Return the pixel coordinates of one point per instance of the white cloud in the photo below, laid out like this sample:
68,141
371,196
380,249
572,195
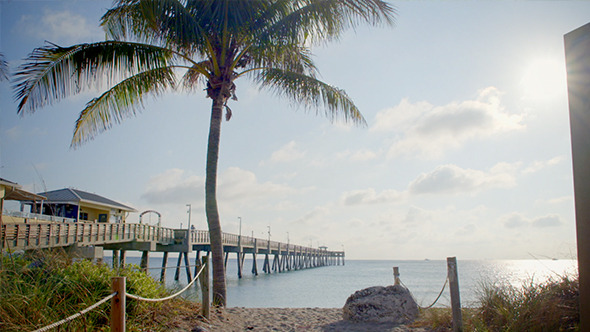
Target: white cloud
517,220
428,130
561,200
18,132
370,196
239,184
234,184
59,27
539,165
514,220
174,186
417,215
452,179
359,155
287,153
547,221
315,216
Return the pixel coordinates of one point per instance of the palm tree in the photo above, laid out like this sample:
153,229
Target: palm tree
208,43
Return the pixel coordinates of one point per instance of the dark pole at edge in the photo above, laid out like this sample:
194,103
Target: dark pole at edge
577,56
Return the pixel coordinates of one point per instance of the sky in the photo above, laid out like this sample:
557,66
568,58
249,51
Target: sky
466,151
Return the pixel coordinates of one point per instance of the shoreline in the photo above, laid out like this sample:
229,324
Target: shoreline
237,319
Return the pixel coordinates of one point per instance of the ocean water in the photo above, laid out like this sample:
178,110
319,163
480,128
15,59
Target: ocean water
330,286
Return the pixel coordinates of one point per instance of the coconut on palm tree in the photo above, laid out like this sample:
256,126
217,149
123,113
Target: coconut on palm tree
157,45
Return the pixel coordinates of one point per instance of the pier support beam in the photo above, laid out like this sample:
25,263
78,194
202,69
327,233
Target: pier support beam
187,266
164,263
145,260
177,273
115,259
122,259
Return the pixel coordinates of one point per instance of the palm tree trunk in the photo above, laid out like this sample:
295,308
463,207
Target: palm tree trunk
219,288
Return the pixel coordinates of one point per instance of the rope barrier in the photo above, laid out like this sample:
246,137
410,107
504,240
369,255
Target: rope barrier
437,298
76,315
136,297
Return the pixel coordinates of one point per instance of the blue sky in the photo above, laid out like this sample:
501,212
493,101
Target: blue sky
466,152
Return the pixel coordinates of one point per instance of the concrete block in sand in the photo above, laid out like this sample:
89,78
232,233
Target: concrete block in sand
391,304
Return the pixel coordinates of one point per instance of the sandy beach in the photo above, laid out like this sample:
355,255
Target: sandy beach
293,319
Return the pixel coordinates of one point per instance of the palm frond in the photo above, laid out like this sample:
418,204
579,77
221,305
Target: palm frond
288,57
165,22
121,101
51,73
3,68
310,92
326,20
192,76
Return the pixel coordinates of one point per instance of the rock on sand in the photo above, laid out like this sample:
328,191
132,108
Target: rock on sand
391,304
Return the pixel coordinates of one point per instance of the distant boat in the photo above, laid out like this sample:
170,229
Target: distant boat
426,259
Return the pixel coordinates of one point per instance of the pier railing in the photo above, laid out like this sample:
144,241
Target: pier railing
27,236
41,235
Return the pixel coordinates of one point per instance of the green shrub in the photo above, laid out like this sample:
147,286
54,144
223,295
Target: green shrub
43,287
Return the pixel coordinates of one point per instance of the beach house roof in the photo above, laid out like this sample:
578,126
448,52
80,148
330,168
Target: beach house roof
13,191
76,196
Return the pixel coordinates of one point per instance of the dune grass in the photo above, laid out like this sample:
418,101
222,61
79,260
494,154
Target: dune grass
40,288
549,306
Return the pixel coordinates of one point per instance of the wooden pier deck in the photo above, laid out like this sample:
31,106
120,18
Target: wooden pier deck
91,239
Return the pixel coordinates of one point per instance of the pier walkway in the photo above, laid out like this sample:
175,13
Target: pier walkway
91,239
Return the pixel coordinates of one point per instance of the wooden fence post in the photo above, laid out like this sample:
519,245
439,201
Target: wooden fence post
455,299
396,280
118,304
204,279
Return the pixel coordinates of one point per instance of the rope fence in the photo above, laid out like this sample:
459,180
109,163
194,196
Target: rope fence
453,281
139,298
119,294
76,315
435,300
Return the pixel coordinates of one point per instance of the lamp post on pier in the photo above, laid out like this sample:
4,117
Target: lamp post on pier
189,216
240,233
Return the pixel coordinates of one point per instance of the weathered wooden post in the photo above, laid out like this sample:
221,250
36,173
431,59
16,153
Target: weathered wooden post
145,260
396,280
177,273
115,259
122,259
577,55
204,279
118,284
164,263
455,299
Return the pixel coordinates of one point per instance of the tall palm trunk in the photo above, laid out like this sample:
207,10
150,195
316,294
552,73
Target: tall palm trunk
219,289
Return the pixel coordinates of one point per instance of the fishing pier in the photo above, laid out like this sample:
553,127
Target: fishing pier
90,239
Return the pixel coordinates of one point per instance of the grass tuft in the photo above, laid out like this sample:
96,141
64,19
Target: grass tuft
43,287
549,306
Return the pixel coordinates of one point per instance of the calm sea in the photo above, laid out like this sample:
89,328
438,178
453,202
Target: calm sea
330,286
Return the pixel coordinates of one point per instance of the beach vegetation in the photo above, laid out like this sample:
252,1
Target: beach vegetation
549,306
43,287
154,46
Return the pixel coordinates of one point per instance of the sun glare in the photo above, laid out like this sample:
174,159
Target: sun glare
543,79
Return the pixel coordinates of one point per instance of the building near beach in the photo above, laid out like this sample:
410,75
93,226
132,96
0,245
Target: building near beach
12,191
77,205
